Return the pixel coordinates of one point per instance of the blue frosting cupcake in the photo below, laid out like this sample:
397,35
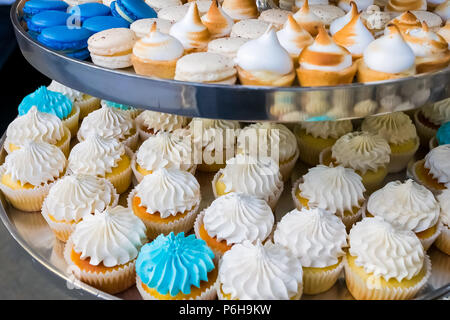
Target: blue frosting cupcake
47,101
97,24
88,10
443,134
46,19
132,10
173,266
117,105
33,7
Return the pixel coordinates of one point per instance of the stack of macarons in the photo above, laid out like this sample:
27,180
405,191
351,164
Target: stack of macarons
34,7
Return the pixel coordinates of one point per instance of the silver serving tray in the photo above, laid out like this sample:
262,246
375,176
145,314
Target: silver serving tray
32,232
237,102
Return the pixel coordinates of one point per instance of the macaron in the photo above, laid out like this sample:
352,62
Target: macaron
97,24
226,46
88,10
46,19
69,41
33,7
132,10
142,27
112,48
173,14
249,28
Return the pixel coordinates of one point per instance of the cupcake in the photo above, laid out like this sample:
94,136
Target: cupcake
37,126
338,190
255,176
324,63
339,23
83,101
442,136
28,173
368,154
273,140
163,150
315,136
386,58
443,241
232,219
307,20
429,118
399,131
149,123
407,205
166,200
74,197
260,272
240,9
110,122
172,257
274,68
156,54
217,141
129,110
55,103
218,22
384,262
104,158
434,171
317,238
102,250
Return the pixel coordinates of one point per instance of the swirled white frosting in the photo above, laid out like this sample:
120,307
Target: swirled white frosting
165,150
361,151
395,127
107,122
70,93
73,197
408,205
112,237
327,129
386,251
438,113
236,217
437,161
35,163
260,272
169,192
159,121
444,202
36,126
95,156
207,131
335,189
340,22
315,236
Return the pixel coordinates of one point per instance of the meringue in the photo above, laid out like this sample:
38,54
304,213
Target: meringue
339,23
293,38
445,33
406,21
307,20
361,4
240,9
217,21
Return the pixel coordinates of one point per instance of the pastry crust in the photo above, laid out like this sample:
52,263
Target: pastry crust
309,78
365,74
247,78
154,68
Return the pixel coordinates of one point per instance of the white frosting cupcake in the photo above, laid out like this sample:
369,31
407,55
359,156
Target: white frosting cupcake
151,122
396,127
72,94
444,202
437,162
327,129
438,113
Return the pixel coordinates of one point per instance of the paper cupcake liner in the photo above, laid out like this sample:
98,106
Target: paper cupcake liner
318,282
443,241
132,141
62,230
154,229
198,222
413,173
427,242
360,290
72,121
143,135
112,282
272,200
433,143
87,106
122,180
309,154
399,161
221,296
425,133
286,168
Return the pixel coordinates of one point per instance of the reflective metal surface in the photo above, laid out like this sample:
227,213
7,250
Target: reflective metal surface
245,103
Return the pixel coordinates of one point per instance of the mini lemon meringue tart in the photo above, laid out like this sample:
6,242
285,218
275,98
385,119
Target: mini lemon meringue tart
255,176
405,5
191,32
384,262
157,54
232,219
367,153
308,20
324,63
339,23
163,150
102,157
218,22
429,118
102,250
260,272
388,57
315,136
240,9
303,232
338,190
399,131
434,171
28,173
407,205
445,32
443,241
274,68
166,200
406,21
37,126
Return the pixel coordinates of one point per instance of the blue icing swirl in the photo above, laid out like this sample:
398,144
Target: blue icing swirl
47,101
117,105
320,118
443,134
174,263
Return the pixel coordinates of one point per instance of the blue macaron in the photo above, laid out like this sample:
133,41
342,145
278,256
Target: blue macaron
97,24
88,10
46,19
33,7
67,40
132,10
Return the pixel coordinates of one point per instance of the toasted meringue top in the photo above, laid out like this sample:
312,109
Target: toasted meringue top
426,43
362,4
404,5
339,23
445,33
406,21
240,9
308,20
190,30
443,10
324,54
293,38
217,21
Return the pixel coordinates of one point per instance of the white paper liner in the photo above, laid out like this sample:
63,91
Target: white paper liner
286,168
87,105
315,282
443,241
427,242
413,173
122,181
308,154
198,222
399,161
71,122
361,291
112,282
298,296
154,229
273,198
132,141
433,143
425,133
